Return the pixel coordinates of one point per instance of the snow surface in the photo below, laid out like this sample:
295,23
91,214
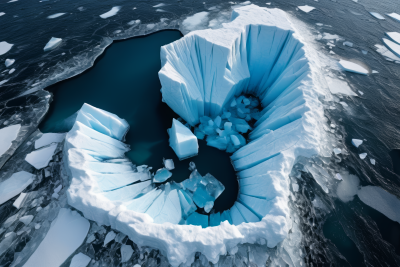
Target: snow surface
7,135
48,138
5,47
353,67
395,36
41,158
53,43
200,74
15,185
394,16
113,11
66,234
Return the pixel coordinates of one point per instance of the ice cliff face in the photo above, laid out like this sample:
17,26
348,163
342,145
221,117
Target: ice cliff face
257,53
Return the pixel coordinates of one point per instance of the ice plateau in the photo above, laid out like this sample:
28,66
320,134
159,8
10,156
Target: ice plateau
258,53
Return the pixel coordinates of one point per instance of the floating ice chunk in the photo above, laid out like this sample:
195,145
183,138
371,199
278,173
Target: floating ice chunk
353,67
347,43
48,138
306,8
394,16
80,260
338,177
26,219
198,219
58,189
70,228
41,158
356,142
208,206
159,5
328,36
337,86
2,13
126,253
381,49
295,187
348,188
5,47
109,237
3,82
19,201
55,195
377,15
337,151
55,15
14,185
395,36
395,48
9,62
7,136
113,11
372,161
382,201
52,44
169,164
375,71
11,71
363,155
196,21
162,175
182,140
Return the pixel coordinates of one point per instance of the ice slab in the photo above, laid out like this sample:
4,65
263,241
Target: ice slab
9,62
377,15
198,219
348,187
196,21
395,36
55,15
394,47
27,219
352,67
306,8
109,237
113,11
126,253
52,44
182,140
40,158
356,142
362,155
5,47
381,49
2,13
394,16
162,175
337,86
80,260
19,201
15,185
7,135
48,138
171,212
70,228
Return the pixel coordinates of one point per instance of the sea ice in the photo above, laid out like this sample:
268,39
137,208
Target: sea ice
162,175
182,140
394,16
395,36
70,228
377,15
55,15
15,185
19,201
113,11
159,5
11,71
7,136
52,44
353,67
381,49
109,237
126,253
356,142
40,158
363,155
198,219
2,13
337,151
306,8
394,47
381,200
48,138
5,47
372,161
337,86
348,187
80,260
196,21
347,43
9,62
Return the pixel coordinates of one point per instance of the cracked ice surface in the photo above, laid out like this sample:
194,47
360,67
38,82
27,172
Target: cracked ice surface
258,53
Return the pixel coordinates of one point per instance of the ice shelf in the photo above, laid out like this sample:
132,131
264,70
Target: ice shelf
204,75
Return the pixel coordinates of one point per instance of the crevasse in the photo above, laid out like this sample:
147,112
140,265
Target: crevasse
257,53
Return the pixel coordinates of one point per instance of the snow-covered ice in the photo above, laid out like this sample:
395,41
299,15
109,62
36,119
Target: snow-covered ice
394,16
9,62
113,11
55,15
52,44
15,185
109,237
7,136
306,8
66,234
356,142
352,67
80,260
182,140
348,187
5,47
48,138
395,36
126,253
337,86
363,155
40,158
377,15
394,47
195,21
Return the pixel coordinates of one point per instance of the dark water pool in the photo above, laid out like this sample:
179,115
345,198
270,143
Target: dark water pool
124,81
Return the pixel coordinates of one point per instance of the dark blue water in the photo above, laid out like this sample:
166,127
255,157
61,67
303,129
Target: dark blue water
124,81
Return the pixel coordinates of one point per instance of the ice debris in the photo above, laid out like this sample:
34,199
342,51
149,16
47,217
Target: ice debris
377,15
26,219
2,13
7,135
353,67
347,43
113,11
356,142
169,164
52,44
109,237
195,22
19,201
394,16
182,140
5,47
55,15
15,185
162,175
49,138
9,62
394,47
80,260
306,8
40,158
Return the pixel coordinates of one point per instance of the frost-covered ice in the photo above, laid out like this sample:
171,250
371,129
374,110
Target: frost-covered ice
394,16
182,140
5,47
113,11
14,185
395,36
356,142
9,62
19,201
394,47
381,200
195,21
80,260
48,138
337,86
52,44
7,136
55,15
162,175
377,15
352,67
306,8
66,234
40,158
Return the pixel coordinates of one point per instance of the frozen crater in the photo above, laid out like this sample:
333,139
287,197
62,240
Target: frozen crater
206,77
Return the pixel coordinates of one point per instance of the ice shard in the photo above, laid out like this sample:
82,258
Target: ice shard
182,140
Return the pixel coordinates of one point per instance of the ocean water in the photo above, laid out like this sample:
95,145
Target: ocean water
345,234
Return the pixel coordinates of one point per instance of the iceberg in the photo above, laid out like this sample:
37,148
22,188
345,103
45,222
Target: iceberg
352,67
8,135
182,140
306,8
356,142
80,260
14,185
52,44
5,47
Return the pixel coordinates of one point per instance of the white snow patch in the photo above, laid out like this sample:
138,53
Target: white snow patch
372,161
159,5
53,43
356,142
41,158
347,188
5,47
48,138
306,8
55,15
113,11
353,67
7,136
14,185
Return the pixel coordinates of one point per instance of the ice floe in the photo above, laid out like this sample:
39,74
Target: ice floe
126,253
80,260
356,142
5,47
53,43
394,47
113,11
55,15
169,164
352,67
14,185
7,136
40,158
395,36
66,234
182,140
362,155
2,13
9,62
48,138
386,53
394,16
195,21
348,187
377,15
337,86
306,8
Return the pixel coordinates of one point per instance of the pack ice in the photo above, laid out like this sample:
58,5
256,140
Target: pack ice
258,53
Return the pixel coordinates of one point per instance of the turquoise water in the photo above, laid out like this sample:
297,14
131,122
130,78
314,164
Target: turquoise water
124,81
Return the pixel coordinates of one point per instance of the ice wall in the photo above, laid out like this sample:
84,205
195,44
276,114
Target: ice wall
257,53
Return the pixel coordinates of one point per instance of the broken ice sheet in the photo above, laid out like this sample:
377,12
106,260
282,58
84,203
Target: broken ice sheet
353,67
110,13
48,138
337,86
5,47
377,15
356,142
80,260
7,135
53,43
41,158
162,175
15,185
394,47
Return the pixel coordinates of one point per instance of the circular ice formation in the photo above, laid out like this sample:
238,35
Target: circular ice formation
257,53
